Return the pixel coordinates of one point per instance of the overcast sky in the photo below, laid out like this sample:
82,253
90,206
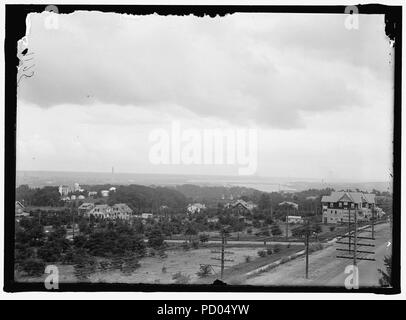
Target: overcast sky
320,95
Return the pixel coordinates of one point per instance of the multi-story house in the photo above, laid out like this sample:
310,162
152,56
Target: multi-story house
342,206
241,207
117,211
121,211
85,208
64,190
195,208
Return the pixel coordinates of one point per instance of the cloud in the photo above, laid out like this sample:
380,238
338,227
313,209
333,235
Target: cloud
265,69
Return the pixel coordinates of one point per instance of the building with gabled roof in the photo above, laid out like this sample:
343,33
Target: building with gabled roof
241,207
341,206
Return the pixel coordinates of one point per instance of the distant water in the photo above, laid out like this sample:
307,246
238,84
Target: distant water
55,178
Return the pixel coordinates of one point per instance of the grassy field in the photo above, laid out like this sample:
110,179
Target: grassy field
161,270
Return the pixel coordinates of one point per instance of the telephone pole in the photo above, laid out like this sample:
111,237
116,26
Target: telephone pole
307,249
223,253
353,237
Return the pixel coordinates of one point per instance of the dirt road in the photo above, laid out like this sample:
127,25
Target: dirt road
327,270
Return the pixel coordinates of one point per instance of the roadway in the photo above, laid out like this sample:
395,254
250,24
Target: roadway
325,269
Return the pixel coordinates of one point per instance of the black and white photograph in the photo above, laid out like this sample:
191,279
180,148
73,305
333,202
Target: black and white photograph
253,148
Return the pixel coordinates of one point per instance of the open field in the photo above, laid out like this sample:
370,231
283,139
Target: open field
161,270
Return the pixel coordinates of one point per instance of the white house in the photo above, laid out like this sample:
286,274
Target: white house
64,190
117,211
195,208
146,215
295,219
104,193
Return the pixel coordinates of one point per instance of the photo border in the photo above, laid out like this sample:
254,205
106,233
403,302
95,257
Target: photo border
15,24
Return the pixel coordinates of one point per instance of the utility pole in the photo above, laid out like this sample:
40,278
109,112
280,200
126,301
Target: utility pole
349,229
373,222
307,249
222,252
353,252
286,224
355,237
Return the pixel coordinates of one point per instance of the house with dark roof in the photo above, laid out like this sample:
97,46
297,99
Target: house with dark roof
117,211
241,207
343,206
20,210
85,208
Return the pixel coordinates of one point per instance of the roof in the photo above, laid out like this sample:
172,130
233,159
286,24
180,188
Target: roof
85,205
122,207
19,204
245,204
290,204
356,197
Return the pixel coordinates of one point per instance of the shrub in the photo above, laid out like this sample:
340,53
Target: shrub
277,248
162,254
33,267
247,259
262,253
269,250
204,238
181,278
332,228
195,244
129,264
284,260
249,230
204,271
315,247
186,246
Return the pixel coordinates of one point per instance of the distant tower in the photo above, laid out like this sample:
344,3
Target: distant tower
112,174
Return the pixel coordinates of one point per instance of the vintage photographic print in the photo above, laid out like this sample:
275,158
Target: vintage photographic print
242,148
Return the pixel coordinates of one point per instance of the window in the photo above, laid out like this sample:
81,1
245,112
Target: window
340,204
331,204
345,203
352,205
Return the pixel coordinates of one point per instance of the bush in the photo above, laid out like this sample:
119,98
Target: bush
247,259
249,230
315,247
277,248
205,271
284,260
269,251
181,278
162,254
332,228
276,230
186,246
195,244
204,238
130,264
262,253
156,238
33,267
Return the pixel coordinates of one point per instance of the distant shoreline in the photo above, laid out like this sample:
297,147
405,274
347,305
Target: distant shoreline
56,178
